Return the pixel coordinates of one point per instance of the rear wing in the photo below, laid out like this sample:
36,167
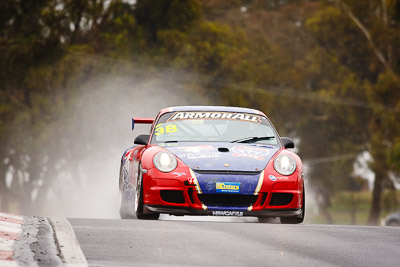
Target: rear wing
141,121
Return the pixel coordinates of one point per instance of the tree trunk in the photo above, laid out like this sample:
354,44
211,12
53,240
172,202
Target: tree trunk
353,211
324,202
375,210
379,167
4,203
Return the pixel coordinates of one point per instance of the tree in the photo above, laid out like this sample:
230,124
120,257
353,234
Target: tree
367,36
158,15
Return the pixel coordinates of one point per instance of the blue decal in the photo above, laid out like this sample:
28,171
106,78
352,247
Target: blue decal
272,178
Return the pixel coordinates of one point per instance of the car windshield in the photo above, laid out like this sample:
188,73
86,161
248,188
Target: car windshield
212,126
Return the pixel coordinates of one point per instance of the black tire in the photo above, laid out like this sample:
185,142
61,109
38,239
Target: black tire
300,219
127,197
127,210
291,220
139,209
266,219
393,223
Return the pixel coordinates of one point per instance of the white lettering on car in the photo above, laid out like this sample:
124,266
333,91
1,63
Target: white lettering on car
227,213
215,115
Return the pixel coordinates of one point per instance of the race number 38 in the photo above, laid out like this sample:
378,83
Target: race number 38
167,129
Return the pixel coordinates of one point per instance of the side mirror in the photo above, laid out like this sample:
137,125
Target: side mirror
287,142
142,139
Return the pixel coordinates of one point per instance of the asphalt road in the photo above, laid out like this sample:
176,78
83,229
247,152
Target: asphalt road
237,243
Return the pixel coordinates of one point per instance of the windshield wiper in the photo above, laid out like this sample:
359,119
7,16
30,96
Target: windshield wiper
171,141
253,139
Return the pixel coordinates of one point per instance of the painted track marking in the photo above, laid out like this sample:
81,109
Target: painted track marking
8,235
12,216
10,229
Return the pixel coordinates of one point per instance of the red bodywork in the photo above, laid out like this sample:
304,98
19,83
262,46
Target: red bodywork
154,181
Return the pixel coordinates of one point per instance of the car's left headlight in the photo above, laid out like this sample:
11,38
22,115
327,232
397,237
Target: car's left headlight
285,164
165,161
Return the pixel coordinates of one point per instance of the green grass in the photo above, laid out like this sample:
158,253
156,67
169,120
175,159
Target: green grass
360,202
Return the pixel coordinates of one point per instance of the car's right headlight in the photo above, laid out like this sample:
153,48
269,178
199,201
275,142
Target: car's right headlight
165,161
285,164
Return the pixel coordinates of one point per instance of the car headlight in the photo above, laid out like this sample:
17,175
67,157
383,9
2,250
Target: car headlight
285,165
165,161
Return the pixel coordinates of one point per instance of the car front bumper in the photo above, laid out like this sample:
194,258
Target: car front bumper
175,196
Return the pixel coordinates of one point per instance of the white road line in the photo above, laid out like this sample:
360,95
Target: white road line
8,263
11,216
71,252
10,227
6,244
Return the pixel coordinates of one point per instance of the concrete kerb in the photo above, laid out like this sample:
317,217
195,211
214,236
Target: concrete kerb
70,251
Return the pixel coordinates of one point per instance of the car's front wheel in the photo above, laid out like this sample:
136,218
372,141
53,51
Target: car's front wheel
139,209
266,220
300,219
127,198
393,223
126,194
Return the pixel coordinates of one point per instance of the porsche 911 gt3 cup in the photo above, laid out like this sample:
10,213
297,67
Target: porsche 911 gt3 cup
211,160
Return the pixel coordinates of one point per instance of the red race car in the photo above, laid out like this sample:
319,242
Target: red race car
211,160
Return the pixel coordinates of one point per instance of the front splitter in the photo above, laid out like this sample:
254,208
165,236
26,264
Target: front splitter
222,212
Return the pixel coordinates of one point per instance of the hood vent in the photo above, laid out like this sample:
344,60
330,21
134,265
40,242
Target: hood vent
223,149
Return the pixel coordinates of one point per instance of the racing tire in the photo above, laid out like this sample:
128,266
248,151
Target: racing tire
126,210
127,198
266,219
393,223
139,208
296,220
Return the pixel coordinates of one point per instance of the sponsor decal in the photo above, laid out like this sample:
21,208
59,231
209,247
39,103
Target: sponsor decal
168,144
227,187
179,174
198,152
191,180
215,115
257,153
282,178
210,185
272,178
227,213
195,149
201,155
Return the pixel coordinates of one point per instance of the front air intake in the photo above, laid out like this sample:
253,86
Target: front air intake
172,196
228,200
281,199
264,197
